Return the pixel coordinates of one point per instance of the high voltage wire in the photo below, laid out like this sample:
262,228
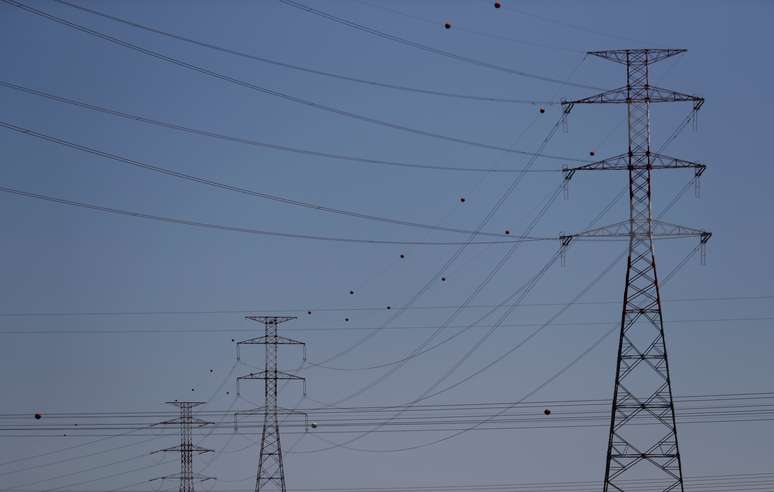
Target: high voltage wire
245,230
707,482
428,393
256,143
511,350
429,49
458,27
291,66
426,346
16,3
363,308
124,331
421,348
271,92
457,432
350,425
568,25
245,191
445,266
731,482
689,399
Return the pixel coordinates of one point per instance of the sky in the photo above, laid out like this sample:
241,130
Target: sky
112,313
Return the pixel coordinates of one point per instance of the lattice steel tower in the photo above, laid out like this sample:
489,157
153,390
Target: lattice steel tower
271,470
643,433
187,449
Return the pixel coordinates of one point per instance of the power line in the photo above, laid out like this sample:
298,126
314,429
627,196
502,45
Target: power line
244,230
456,433
154,415
244,191
291,66
257,143
568,25
271,92
426,48
726,482
423,348
426,346
366,308
446,265
458,27
125,331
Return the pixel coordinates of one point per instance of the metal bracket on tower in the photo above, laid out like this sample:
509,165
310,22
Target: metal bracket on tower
564,243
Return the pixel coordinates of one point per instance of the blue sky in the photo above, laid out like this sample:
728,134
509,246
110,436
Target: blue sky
59,259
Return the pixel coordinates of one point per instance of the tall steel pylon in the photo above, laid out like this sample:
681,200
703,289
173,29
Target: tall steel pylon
643,431
271,469
187,449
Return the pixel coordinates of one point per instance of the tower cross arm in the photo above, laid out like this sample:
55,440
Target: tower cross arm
177,476
272,375
193,421
264,411
658,230
279,340
192,448
634,94
624,162
646,55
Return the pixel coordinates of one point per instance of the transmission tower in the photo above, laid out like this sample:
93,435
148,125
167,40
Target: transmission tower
187,449
643,432
271,470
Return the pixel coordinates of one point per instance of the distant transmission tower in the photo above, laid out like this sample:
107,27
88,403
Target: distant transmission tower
187,449
271,470
643,432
